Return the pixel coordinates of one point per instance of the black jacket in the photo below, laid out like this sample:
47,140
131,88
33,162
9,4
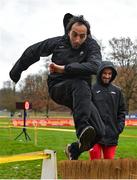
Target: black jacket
79,63
110,104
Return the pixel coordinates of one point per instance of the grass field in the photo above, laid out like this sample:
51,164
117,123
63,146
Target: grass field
48,139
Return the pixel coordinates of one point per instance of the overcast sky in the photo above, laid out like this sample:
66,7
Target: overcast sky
25,22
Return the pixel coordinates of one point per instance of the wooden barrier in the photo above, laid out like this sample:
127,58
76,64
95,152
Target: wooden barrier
98,169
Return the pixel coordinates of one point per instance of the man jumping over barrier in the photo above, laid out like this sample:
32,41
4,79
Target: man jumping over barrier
75,57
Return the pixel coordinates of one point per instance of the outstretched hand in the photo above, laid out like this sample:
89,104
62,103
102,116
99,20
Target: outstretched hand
56,68
15,76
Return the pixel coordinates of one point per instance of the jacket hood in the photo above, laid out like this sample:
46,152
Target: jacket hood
106,64
66,20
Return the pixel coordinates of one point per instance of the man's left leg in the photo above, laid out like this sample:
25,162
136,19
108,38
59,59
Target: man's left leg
109,152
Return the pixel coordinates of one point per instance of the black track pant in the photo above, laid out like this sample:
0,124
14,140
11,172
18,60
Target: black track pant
76,94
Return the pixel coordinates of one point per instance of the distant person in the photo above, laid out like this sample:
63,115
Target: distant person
20,114
109,101
11,114
75,57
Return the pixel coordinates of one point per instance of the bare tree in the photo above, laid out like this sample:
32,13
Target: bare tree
124,55
34,89
8,97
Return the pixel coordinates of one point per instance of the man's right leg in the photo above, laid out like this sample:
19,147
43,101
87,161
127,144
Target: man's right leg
76,94
72,151
95,152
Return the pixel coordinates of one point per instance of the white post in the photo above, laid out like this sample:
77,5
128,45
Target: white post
49,166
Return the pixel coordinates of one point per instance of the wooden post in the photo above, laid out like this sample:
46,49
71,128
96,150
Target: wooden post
49,166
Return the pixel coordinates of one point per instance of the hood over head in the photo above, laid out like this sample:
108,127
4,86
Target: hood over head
66,20
106,64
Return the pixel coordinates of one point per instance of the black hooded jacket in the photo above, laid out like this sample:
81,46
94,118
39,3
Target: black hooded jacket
79,63
110,103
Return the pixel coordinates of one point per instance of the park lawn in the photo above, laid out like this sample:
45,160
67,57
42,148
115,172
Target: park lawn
47,139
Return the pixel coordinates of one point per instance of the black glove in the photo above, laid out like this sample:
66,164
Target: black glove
14,75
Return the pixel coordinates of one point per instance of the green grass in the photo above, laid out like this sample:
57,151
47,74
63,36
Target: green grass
54,140
128,143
